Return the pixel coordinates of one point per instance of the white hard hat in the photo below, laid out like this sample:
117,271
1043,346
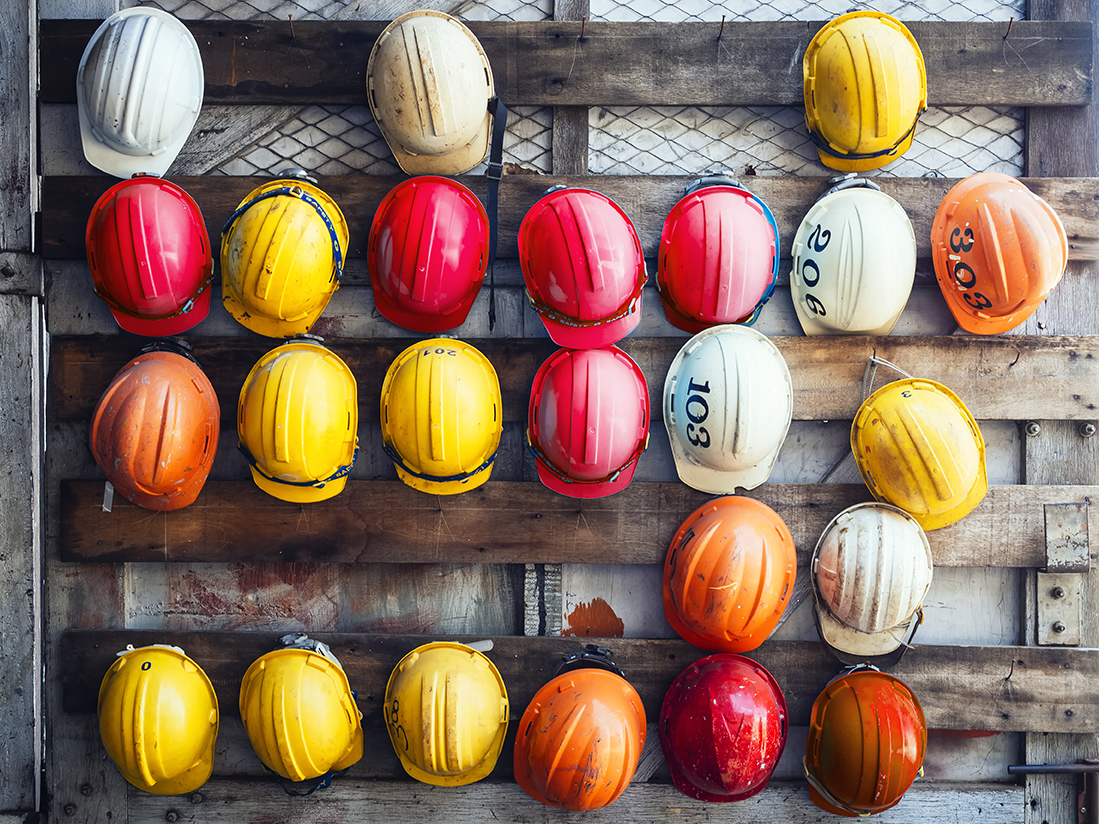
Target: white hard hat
728,402
854,262
871,571
139,90
429,82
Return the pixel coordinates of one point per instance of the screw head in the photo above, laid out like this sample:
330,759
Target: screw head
196,798
1033,428
1059,626
1087,429
171,815
1057,592
86,790
70,809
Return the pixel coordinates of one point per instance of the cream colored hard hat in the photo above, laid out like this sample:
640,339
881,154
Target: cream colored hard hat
428,82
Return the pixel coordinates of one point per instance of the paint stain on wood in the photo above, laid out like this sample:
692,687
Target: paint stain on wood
595,619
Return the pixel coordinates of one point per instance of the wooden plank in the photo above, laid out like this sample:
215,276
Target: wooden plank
18,158
406,802
21,384
386,521
647,199
1049,377
21,274
545,63
980,687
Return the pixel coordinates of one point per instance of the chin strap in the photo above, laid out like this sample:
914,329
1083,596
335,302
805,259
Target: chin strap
494,173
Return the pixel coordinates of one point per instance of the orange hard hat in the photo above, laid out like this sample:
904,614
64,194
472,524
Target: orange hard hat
867,737
729,574
998,250
155,430
579,741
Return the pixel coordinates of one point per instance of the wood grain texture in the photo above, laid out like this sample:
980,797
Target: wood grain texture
21,274
647,199
638,64
386,521
1003,378
985,688
18,137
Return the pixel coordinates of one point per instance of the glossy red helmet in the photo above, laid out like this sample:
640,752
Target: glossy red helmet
150,256
718,258
723,728
583,266
867,738
588,421
428,253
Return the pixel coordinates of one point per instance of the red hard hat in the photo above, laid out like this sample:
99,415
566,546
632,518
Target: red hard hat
428,253
718,258
588,421
155,430
723,728
583,266
867,737
150,256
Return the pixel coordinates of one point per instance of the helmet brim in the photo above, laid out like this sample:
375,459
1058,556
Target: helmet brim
269,327
299,494
593,337
444,487
554,482
866,164
166,327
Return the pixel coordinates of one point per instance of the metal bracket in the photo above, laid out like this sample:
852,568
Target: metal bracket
1060,587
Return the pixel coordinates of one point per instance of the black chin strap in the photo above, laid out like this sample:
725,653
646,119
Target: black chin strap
494,173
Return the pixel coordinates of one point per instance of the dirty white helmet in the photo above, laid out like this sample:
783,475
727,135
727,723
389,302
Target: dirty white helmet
429,82
871,570
728,401
854,262
138,91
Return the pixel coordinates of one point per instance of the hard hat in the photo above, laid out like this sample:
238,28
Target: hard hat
998,251
854,262
867,737
158,718
155,430
428,253
442,416
919,448
446,709
718,257
297,419
871,570
728,402
579,741
865,89
583,267
139,90
729,574
723,728
429,83
588,421
282,254
299,712
150,258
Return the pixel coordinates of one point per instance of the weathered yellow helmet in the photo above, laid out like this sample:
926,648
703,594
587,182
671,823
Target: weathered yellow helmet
441,416
429,82
299,712
865,88
919,448
282,254
446,709
297,419
158,718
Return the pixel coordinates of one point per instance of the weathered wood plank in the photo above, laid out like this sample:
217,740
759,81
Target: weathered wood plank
647,199
546,63
386,521
406,802
986,688
18,158
1045,377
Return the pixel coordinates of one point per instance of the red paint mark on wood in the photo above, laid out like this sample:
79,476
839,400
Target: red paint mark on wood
596,619
937,733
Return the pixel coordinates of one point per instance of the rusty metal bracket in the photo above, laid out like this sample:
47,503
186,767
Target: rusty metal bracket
1060,587
1086,771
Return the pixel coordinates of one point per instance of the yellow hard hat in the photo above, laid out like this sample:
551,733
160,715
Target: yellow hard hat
919,448
158,718
299,713
282,254
446,709
429,83
297,420
441,416
865,89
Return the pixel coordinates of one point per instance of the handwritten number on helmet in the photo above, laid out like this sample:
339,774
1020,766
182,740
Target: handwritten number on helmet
970,280
961,245
977,300
697,411
819,239
818,242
